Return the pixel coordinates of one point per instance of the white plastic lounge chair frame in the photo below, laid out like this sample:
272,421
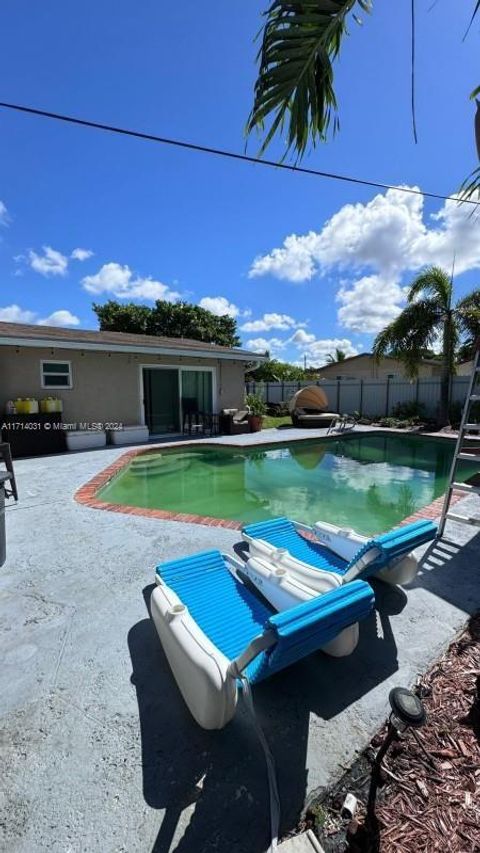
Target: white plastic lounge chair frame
206,677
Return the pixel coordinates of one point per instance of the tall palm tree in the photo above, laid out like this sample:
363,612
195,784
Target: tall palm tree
429,316
300,42
338,355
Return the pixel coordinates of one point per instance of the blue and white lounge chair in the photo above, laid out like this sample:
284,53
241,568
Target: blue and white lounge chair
331,557
214,630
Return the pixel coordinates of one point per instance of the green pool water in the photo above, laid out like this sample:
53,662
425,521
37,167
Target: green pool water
369,482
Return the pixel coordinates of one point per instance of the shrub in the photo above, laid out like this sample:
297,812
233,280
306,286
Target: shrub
256,404
406,411
278,410
398,423
455,414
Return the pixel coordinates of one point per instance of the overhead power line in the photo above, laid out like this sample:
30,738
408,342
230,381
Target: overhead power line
221,152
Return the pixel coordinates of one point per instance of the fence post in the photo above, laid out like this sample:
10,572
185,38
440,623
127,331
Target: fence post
338,396
417,391
361,398
387,400
266,392
283,391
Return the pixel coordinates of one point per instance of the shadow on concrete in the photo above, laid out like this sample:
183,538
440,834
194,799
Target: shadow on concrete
452,572
228,811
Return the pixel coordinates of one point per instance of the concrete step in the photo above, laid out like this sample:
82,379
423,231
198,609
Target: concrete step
307,842
466,487
464,519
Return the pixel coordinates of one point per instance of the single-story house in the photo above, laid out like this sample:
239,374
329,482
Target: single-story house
366,366
115,377
465,368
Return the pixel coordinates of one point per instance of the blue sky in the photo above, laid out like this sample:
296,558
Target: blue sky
164,222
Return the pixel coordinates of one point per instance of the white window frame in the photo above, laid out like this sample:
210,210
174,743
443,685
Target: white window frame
56,361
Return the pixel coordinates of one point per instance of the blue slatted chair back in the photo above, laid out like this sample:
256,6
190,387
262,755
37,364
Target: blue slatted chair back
396,543
307,627
281,533
232,616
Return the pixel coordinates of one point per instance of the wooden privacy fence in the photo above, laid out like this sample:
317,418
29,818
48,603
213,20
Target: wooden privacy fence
369,397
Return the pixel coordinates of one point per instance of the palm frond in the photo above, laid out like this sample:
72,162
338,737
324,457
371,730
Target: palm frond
467,313
470,186
410,334
299,44
434,282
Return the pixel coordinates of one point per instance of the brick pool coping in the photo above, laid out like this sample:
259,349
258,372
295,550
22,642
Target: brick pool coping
87,494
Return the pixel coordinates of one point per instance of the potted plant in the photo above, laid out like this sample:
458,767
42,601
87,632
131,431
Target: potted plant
256,411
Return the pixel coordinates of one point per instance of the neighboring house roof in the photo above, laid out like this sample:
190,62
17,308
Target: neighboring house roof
22,334
371,355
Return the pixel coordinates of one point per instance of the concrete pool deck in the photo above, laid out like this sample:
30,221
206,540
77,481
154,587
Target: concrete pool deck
98,750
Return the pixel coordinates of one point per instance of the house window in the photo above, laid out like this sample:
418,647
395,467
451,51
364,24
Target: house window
56,374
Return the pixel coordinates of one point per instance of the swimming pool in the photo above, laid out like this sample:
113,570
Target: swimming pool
367,481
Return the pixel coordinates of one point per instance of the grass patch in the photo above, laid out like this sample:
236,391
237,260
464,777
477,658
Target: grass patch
274,423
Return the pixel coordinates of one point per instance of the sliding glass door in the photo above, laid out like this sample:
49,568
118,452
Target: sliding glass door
170,395
161,400
197,387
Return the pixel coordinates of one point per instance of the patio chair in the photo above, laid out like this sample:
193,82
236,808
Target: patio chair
215,631
234,421
308,408
314,554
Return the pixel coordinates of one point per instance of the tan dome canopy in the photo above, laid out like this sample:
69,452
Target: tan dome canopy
311,397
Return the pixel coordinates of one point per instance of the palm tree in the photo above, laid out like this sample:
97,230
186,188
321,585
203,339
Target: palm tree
429,316
339,355
300,42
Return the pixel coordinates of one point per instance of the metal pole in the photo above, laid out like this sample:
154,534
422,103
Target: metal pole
387,400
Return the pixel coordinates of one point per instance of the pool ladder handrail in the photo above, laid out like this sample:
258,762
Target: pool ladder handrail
460,454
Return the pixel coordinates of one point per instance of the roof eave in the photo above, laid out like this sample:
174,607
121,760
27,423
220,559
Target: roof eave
52,343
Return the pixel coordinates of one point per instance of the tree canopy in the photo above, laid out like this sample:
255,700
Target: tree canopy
338,355
168,319
429,317
273,370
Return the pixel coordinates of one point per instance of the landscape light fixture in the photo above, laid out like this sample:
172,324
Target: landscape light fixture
407,712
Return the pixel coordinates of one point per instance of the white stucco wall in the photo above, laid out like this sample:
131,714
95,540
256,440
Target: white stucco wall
106,386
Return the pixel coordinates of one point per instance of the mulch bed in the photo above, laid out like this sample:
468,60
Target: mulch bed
430,800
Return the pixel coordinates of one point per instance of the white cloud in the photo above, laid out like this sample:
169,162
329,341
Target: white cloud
382,241
301,338
15,314
305,343
4,218
220,306
81,254
121,282
51,262
61,317
293,262
273,345
317,349
372,303
271,321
